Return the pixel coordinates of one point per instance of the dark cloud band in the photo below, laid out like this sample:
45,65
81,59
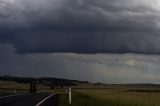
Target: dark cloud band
80,26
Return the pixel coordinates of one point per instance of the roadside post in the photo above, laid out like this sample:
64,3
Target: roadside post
70,95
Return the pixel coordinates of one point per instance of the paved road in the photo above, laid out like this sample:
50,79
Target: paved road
42,99
5,94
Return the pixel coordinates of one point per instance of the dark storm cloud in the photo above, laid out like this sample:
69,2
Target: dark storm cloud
81,26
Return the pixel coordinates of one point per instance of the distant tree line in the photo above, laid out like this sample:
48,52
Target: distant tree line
17,79
48,81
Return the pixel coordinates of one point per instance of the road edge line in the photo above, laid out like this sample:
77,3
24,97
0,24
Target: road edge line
10,96
44,100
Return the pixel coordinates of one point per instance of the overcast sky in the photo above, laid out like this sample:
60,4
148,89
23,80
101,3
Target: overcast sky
111,41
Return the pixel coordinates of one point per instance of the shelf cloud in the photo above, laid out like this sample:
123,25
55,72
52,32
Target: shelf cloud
81,26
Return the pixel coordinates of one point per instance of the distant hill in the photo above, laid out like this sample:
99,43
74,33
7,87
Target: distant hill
60,82
43,80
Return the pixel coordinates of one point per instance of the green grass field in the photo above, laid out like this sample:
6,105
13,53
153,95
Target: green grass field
104,97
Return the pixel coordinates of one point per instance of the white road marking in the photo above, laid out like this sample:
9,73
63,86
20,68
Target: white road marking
10,96
44,100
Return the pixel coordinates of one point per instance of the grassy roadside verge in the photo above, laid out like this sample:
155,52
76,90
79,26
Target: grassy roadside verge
97,98
86,100
79,99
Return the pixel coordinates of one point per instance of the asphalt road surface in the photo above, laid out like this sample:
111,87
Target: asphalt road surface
5,94
39,99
